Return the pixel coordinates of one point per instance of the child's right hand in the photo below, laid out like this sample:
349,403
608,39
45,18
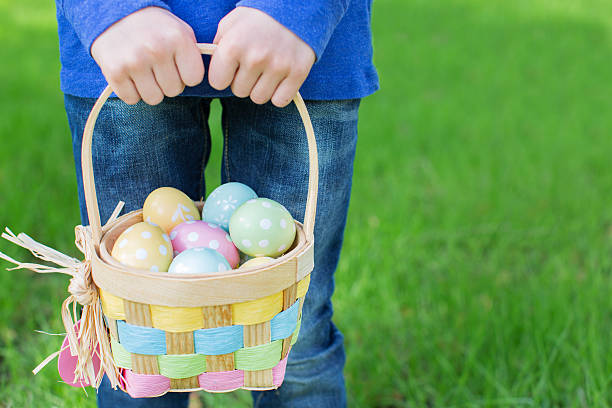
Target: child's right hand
148,54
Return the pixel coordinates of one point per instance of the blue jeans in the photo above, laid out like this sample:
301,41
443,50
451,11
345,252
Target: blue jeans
139,148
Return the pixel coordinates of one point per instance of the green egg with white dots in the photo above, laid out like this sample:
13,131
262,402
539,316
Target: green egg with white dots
262,227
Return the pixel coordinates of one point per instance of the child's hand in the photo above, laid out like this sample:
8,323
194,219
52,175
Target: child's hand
148,54
259,57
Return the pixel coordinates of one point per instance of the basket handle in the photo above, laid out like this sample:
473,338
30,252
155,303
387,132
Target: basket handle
89,185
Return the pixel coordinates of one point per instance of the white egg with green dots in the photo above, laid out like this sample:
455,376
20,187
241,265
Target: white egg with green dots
262,227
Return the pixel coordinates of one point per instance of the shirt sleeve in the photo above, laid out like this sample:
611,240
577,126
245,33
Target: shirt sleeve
90,18
313,21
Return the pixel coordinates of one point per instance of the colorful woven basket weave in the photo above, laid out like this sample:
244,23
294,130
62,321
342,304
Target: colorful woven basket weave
194,348
163,332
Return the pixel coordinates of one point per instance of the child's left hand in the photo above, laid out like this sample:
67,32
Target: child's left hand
259,57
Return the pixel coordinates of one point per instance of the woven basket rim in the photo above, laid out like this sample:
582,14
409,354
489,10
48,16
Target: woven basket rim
162,288
123,222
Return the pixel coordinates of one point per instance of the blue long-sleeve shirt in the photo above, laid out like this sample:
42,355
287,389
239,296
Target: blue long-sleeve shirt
337,30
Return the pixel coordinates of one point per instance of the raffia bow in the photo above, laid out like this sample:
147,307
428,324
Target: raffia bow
91,336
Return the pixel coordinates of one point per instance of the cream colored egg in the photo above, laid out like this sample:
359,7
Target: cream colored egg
255,262
144,246
169,207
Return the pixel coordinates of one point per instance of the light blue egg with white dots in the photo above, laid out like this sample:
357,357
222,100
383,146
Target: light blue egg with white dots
199,260
224,200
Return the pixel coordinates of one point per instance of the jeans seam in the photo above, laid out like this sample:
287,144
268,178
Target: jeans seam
225,126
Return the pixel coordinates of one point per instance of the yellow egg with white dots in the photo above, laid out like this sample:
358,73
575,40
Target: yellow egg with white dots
144,246
169,207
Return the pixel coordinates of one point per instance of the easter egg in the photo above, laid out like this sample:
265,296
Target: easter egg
192,234
224,200
199,260
168,207
262,227
143,246
255,262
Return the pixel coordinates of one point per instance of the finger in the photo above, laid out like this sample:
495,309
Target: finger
223,26
286,91
222,68
266,86
125,90
244,81
168,78
219,33
189,63
148,88
189,31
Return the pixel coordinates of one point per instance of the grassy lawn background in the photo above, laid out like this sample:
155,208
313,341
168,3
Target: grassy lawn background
476,270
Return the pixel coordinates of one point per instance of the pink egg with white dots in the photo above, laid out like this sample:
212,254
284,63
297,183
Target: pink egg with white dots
202,234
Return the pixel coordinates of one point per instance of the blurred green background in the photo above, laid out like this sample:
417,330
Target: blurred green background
476,270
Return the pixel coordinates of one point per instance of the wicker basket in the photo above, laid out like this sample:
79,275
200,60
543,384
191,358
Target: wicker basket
217,332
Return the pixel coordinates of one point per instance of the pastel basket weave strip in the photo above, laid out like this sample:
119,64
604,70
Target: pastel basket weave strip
185,319
145,385
260,357
216,341
254,358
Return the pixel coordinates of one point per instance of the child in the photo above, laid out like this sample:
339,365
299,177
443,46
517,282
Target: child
267,50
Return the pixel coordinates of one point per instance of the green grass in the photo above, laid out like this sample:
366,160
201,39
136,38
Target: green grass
476,270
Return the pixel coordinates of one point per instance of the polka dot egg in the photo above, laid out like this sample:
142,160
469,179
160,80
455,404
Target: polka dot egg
192,234
199,261
143,246
224,200
168,207
262,227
